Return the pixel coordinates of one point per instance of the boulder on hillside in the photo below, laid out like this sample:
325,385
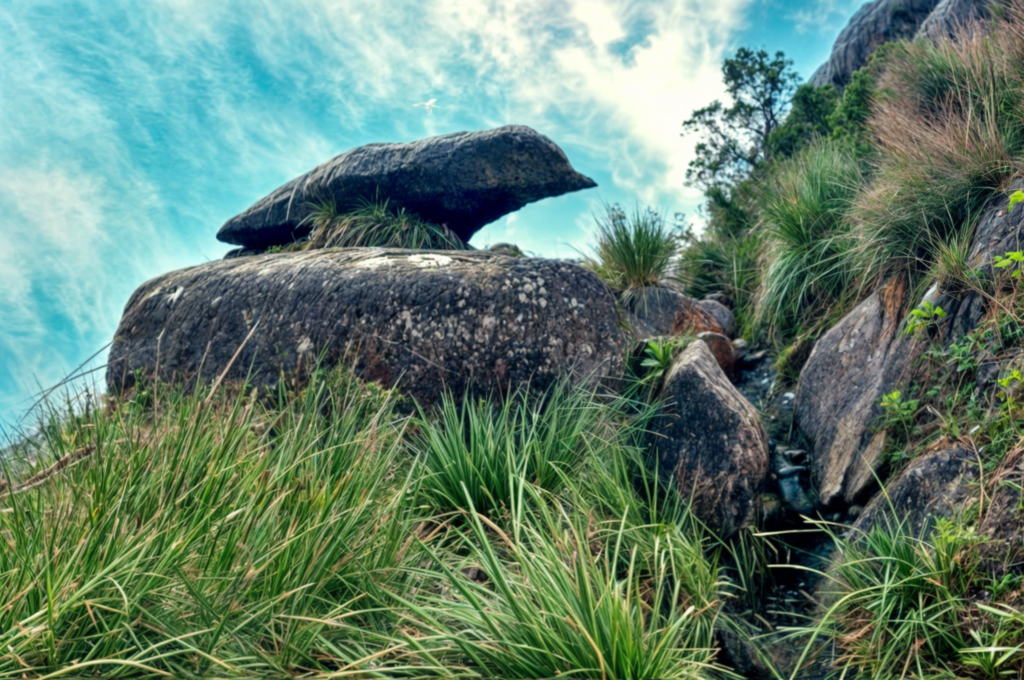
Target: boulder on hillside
659,311
710,440
867,355
933,486
463,180
874,23
420,320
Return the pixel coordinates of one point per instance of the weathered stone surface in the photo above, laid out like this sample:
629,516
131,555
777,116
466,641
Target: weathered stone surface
1003,522
949,15
874,23
722,314
419,320
464,180
710,440
722,349
867,355
932,486
658,311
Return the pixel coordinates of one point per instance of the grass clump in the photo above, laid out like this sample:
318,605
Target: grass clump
809,252
920,606
206,537
477,450
634,250
563,598
949,130
376,224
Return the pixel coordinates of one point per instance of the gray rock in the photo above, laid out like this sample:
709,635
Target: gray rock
464,180
1003,522
419,320
949,15
723,315
867,355
932,486
710,440
874,23
659,311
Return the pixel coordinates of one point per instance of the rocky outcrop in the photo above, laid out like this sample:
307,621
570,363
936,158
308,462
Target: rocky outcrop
658,311
935,485
867,355
463,180
949,15
419,320
874,23
723,351
1003,522
710,441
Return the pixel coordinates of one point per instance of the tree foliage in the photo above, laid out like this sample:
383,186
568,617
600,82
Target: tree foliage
734,137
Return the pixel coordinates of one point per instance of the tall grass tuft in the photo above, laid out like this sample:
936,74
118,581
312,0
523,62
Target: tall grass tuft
376,224
809,255
557,601
634,250
919,606
479,451
192,537
949,128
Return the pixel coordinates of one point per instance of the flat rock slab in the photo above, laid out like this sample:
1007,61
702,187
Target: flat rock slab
710,439
463,180
423,321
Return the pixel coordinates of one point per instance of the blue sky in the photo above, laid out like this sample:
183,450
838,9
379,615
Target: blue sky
130,131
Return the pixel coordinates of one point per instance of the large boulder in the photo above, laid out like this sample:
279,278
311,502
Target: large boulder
933,486
463,180
867,355
710,440
419,320
873,24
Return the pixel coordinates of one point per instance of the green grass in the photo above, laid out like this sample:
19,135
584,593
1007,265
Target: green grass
322,533
634,250
375,224
809,252
919,606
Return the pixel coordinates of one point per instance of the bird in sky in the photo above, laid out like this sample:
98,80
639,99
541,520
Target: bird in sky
429,105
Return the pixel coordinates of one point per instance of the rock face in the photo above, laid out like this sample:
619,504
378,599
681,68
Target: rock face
1003,522
722,314
948,15
867,355
932,486
711,441
419,320
874,23
464,180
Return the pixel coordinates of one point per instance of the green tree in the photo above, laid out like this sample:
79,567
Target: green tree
734,138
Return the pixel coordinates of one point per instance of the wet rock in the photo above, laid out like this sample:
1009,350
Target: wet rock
711,441
722,350
932,486
419,320
873,24
463,180
722,314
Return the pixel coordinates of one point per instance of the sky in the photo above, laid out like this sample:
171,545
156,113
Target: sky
130,131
